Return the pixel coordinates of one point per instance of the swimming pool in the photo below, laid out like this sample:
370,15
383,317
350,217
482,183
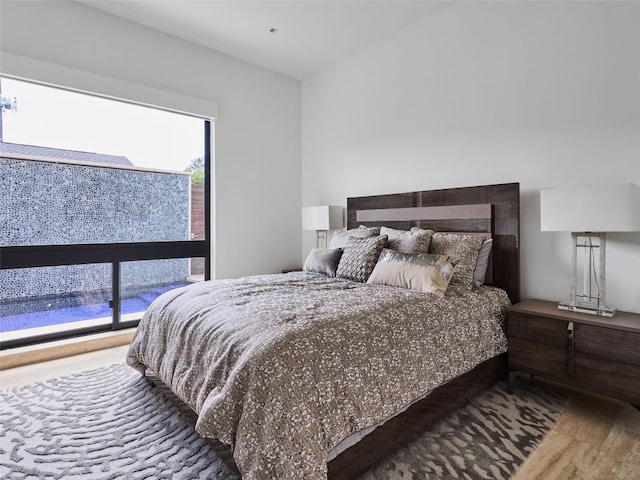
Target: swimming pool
60,316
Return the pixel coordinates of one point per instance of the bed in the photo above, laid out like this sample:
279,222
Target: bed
304,375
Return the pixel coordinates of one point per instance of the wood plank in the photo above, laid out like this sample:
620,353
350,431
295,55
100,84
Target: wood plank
608,343
627,321
607,376
533,357
571,449
410,214
42,352
73,363
619,457
537,329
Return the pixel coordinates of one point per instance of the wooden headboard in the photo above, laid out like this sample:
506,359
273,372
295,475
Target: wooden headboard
488,209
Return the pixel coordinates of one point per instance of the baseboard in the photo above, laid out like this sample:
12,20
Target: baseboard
17,357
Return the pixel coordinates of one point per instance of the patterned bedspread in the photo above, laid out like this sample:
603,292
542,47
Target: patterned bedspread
284,367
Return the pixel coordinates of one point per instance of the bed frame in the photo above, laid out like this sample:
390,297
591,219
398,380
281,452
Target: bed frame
489,210
484,210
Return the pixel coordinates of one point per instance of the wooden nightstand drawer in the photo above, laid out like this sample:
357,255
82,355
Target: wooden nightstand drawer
546,331
615,377
537,358
602,354
608,343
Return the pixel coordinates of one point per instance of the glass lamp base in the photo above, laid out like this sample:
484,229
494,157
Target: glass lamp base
602,311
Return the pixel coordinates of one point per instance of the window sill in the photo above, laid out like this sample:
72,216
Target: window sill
20,356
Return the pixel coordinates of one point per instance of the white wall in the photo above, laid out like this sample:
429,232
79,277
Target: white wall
257,135
543,93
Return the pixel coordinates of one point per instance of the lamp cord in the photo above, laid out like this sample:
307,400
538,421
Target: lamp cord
593,268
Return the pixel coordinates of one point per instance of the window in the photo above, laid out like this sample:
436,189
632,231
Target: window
103,206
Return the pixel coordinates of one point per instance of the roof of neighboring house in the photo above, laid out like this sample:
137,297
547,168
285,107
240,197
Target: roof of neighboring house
59,153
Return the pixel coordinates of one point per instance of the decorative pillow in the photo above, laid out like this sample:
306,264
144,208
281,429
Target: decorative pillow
360,257
480,273
323,261
415,240
424,272
463,248
340,237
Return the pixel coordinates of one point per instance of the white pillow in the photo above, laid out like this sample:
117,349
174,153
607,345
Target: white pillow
423,272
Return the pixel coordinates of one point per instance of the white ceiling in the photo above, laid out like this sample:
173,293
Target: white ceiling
311,35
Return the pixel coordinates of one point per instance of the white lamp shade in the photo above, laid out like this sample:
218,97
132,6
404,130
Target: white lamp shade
326,217
596,208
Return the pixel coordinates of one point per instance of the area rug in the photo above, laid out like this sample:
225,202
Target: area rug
109,423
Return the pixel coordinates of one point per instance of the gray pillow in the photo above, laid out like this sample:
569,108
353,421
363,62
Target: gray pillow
416,240
464,249
360,257
340,237
323,261
480,273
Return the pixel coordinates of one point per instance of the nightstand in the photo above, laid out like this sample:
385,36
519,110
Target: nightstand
596,353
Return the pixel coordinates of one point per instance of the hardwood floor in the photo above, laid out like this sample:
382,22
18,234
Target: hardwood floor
596,438
23,375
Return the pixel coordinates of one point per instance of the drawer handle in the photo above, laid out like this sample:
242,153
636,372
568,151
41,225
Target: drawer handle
570,349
